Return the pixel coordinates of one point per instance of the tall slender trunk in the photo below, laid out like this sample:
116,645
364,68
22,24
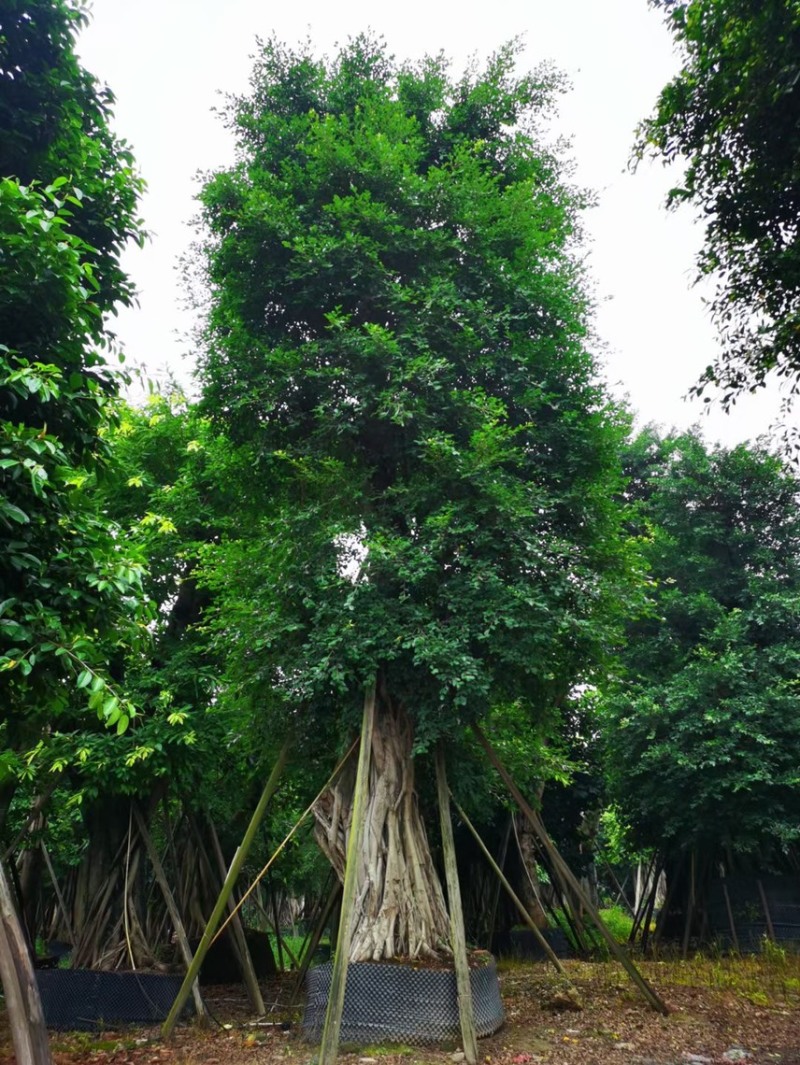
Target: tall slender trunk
26,1020
400,908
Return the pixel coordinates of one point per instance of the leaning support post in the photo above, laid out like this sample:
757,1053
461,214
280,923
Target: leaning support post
731,922
526,917
172,907
501,861
237,931
333,1014
687,928
767,913
59,897
566,873
225,894
315,938
466,1015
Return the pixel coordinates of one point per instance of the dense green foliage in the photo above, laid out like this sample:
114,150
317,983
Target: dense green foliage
703,728
402,463
71,591
397,334
732,115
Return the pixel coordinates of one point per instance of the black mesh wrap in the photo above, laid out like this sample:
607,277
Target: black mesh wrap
400,1003
86,1001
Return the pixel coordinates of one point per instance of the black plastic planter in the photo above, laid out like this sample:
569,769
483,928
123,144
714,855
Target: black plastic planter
400,1003
86,1001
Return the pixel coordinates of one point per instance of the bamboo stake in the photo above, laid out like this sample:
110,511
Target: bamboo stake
671,882
237,927
59,897
225,893
658,868
466,1015
568,914
520,905
172,907
687,929
126,889
310,947
731,922
620,888
767,914
535,821
496,887
284,842
333,1014
276,922
641,907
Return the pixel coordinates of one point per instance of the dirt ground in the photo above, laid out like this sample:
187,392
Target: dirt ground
721,1011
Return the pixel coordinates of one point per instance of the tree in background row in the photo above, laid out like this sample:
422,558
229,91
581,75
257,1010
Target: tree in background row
732,116
703,725
396,334
70,599
67,206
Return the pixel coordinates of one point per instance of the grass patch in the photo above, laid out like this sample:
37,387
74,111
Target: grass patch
618,921
382,1050
292,948
768,979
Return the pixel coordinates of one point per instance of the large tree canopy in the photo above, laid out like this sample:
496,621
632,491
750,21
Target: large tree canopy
397,334
732,115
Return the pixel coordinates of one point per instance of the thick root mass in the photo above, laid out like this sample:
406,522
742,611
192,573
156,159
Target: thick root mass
400,909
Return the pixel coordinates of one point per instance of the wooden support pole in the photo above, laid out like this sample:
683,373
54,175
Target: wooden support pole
496,886
23,1003
641,880
767,914
731,922
620,888
172,907
458,941
673,876
309,948
333,1014
575,930
566,873
59,897
526,917
225,894
237,928
658,869
687,928
276,923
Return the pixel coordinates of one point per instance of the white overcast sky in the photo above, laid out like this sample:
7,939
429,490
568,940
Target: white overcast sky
167,61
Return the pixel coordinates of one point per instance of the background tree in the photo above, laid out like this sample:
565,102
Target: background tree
732,115
67,206
396,333
702,727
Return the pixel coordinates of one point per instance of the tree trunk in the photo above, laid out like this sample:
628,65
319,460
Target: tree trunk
530,887
401,911
26,1020
31,876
